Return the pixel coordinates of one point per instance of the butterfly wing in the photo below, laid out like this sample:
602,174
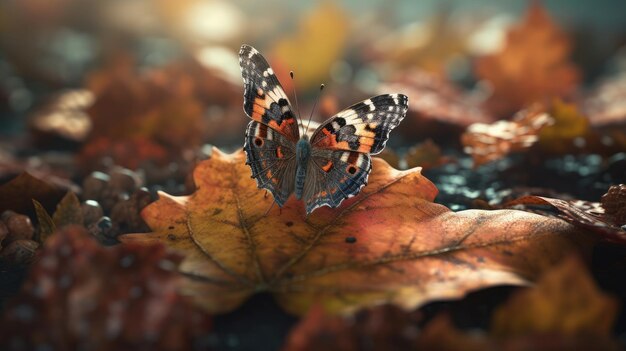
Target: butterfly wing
363,127
333,176
272,160
265,100
340,163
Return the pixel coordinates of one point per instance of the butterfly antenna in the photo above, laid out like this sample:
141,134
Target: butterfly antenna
314,106
295,96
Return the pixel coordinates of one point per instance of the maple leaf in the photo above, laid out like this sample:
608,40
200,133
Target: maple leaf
81,295
532,67
490,142
389,243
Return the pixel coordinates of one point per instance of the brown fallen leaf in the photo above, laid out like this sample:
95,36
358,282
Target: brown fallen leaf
426,154
384,327
533,66
563,311
490,142
565,301
68,212
391,243
80,295
606,218
438,108
441,335
18,193
160,108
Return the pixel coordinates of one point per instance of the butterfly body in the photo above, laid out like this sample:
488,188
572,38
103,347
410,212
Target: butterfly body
303,155
325,167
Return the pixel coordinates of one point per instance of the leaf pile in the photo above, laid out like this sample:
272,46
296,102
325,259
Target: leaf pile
82,296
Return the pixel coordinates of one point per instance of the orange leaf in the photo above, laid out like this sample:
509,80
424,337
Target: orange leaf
569,125
389,243
314,47
533,66
564,301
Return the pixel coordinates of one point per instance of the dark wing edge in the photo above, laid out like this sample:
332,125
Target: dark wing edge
363,127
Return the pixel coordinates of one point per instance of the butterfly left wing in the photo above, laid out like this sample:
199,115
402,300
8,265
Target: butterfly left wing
272,160
363,127
265,100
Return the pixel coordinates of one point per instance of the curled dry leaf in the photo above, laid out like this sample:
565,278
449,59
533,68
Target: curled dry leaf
80,295
532,67
390,243
490,142
606,218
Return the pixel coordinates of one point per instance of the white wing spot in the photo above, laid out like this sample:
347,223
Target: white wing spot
252,53
395,98
369,103
344,156
264,84
370,115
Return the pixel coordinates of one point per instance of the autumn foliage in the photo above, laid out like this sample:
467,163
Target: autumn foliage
494,218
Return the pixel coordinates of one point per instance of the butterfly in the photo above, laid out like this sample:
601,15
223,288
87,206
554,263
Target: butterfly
324,169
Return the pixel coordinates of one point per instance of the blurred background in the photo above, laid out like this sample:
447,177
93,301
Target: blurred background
138,81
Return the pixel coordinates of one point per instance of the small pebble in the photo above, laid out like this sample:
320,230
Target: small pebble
19,226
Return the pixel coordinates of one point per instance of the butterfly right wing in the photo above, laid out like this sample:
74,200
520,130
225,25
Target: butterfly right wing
272,160
265,100
333,176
